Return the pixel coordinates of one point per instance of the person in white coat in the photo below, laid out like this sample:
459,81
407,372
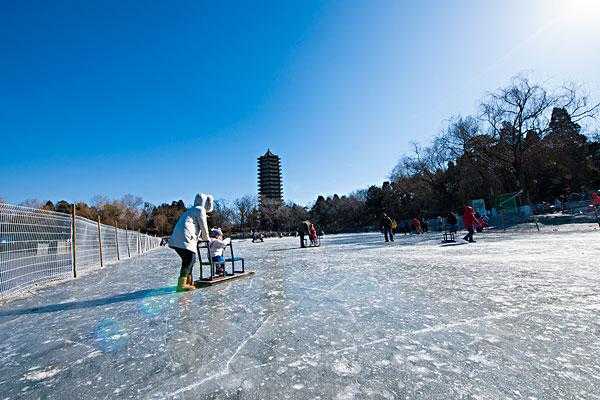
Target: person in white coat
191,227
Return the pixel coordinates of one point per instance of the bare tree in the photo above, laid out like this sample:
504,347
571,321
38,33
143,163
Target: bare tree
98,201
576,100
32,203
459,138
222,215
517,116
244,206
160,223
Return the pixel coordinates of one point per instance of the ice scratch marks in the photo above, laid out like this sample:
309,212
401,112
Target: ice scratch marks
343,367
34,374
337,285
224,371
347,368
349,392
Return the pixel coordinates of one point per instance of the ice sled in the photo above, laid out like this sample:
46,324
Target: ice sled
448,237
213,277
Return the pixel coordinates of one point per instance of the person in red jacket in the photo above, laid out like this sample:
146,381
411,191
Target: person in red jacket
312,234
596,199
596,205
416,225
469,220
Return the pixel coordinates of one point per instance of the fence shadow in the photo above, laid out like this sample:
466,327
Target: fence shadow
77,305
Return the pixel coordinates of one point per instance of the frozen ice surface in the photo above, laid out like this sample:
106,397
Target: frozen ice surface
514,316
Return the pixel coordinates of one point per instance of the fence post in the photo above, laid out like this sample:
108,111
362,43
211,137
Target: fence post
117,241
127,241
73,242
100,243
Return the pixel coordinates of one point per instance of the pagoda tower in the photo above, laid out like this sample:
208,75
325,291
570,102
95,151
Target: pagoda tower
270,186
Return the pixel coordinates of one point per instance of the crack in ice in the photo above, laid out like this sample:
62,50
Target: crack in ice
224,371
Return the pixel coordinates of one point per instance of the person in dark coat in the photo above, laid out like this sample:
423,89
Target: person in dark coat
451,222
387,226
303,230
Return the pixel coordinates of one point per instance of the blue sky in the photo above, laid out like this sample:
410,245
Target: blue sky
165,99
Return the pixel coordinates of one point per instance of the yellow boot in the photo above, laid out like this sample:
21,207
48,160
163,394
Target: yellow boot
183,286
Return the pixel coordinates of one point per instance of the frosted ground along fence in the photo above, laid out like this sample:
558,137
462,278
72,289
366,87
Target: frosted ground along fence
38,246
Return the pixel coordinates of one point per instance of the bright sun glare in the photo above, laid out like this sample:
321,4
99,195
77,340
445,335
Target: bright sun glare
579,11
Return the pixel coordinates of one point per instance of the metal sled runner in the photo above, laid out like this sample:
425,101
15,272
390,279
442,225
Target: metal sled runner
214,277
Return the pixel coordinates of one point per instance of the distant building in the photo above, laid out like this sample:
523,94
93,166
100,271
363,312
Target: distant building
269,178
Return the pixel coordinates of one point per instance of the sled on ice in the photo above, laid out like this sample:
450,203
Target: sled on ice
216,276
448,237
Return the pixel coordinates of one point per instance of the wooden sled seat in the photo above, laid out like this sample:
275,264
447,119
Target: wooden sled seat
214,277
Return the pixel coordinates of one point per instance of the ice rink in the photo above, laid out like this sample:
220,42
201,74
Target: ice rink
514,316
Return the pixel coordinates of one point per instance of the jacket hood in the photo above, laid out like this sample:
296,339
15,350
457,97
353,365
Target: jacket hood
205,201
200,200
209,204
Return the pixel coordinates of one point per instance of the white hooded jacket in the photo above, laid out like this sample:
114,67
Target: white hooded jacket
192,225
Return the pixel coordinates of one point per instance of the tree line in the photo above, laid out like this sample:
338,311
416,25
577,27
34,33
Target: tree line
240,216
526,138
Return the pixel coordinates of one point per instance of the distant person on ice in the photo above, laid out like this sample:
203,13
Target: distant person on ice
416,225
596,205
387,226
451,222
191,227
596,199
256,237
469,220
304,230
312,234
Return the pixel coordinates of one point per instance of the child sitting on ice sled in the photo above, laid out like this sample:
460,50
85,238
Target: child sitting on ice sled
217,244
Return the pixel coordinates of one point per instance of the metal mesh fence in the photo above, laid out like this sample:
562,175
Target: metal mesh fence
122,244
133,243
37,246
87,252
109,244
